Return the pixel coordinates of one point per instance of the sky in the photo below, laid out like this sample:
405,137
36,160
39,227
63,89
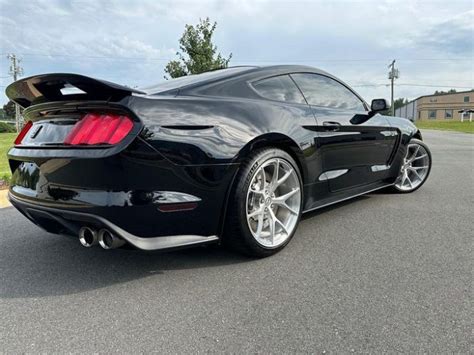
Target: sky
130,42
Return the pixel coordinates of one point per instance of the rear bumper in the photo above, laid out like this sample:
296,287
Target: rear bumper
69,222
136,190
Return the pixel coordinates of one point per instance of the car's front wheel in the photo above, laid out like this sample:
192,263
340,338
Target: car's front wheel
265,205
415,168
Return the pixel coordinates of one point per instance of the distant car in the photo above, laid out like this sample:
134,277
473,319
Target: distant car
232,156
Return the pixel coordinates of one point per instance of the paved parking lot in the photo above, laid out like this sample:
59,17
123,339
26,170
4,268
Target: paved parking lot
381,273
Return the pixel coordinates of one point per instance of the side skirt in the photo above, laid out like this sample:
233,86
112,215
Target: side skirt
347,198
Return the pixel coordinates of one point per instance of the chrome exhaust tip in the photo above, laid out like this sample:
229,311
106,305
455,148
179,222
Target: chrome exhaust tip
108,240
88,237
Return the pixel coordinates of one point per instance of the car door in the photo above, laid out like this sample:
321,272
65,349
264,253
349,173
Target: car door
355,147
301,123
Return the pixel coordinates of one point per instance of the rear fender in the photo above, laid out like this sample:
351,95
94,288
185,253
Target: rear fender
280,141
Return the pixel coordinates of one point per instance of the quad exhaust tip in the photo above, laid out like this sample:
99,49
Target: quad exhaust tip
108,240
88,237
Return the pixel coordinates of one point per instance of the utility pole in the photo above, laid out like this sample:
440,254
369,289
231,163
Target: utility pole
15,72
392,75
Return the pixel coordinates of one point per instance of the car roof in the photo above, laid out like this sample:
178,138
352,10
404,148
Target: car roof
289,68
231,81
250,72
196,79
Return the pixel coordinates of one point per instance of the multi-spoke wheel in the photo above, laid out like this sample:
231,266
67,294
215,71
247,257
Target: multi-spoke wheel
273,202
415,168
266,204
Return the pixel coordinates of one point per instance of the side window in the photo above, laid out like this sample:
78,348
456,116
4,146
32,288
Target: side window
280,88
319,90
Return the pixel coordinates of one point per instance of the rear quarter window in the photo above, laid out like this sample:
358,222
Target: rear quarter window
279,88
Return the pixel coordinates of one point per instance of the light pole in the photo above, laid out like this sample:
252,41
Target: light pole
392,75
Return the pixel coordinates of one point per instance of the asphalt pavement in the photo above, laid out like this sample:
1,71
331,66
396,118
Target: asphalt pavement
380,273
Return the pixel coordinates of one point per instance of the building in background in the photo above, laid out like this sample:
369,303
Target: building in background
438,107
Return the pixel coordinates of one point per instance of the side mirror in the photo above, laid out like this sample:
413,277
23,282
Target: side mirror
379,105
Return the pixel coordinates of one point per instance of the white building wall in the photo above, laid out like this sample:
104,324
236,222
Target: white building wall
407,111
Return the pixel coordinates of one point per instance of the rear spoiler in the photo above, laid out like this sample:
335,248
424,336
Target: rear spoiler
64,87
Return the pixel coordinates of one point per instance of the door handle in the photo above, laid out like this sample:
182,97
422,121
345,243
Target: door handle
331,126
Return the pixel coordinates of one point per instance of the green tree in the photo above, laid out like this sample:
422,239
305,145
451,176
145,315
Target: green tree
450,91
9,109
397,103
198,54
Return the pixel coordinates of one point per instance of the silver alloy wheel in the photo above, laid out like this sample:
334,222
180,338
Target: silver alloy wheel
415,168
273,202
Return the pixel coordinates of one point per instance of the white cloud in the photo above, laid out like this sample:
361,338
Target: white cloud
137,38
454,35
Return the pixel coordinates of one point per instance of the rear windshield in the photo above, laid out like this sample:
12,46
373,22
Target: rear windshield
192,79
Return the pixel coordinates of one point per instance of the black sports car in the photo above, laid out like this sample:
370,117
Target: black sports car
232,156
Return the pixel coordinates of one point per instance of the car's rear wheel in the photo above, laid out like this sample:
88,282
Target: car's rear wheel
266,204
415,169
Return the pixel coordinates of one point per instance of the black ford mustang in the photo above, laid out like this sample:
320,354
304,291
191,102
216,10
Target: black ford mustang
232,156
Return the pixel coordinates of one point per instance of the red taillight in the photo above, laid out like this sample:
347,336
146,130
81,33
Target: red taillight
99,129
23,132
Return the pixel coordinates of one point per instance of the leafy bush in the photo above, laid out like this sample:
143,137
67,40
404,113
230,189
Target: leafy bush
6,128
5,181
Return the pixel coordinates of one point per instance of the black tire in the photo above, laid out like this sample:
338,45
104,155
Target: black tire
395,189
237,235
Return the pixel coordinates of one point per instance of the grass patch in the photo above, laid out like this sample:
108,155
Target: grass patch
6,141
466,126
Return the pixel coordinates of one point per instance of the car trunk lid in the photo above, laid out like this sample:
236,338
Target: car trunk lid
70,111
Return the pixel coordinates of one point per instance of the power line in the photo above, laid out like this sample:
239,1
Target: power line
410,84
434,86
116,57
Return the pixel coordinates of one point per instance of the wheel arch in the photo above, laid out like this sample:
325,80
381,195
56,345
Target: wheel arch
417,135
267,140
280,141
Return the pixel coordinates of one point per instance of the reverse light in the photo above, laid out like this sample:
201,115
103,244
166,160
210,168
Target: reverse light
23,133
95,129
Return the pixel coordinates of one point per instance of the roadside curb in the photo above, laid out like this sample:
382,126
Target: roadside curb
3,199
